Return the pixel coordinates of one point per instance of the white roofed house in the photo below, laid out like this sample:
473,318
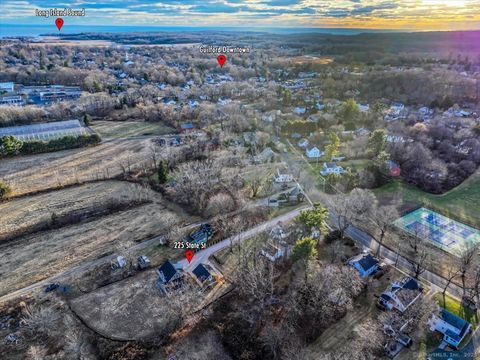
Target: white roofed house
300,110
283,178
303,143
453,328
313,152
331,168
6,86
364,107
12,100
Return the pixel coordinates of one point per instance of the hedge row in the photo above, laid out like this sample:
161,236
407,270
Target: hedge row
67,142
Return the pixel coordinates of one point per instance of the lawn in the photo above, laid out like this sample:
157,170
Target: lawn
455,307
460,203
121,129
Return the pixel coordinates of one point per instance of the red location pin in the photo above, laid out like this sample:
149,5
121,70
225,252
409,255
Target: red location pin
189,255
59,23
222,59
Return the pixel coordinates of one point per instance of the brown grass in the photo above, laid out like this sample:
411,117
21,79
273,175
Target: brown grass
26,213
27,174
126,310
35,257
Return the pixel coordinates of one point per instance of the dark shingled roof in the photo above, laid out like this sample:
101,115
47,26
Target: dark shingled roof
201,273
367,262
412,284
168,271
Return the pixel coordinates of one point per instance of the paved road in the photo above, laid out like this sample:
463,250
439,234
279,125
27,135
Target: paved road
401,262
203,255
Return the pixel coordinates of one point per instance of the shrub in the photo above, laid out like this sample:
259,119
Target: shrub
67,142
332,236
5,191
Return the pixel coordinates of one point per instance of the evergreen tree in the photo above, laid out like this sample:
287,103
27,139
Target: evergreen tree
162,172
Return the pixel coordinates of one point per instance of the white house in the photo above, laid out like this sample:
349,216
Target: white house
14,100
313,152
118,263
401,294
193,103
272,252
453,328
6,86
331,168
425,110
283,178
303,143
364,107
300,110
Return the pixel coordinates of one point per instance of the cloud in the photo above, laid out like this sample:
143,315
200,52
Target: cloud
281,2
404,14
362,10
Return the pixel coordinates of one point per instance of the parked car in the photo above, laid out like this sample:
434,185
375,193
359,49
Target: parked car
51,287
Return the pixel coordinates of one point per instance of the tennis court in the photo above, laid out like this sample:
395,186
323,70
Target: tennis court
447,234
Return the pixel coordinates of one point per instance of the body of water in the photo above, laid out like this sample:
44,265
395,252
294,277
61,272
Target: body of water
10,30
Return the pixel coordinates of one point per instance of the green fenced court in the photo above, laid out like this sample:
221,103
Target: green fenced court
447,234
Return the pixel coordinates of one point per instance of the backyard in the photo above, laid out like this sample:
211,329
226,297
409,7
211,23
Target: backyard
455,307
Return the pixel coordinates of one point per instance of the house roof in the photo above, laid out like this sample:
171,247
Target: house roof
168,271
456,322
330,165
312,148
367,262
201,272
186,126
411,284
391,164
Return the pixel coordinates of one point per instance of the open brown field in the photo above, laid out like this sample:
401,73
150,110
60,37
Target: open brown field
317,60
35,257
121,129
21,214
131,309
27,174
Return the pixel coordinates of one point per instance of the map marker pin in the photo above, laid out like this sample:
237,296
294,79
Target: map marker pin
59,23
189,255
222,59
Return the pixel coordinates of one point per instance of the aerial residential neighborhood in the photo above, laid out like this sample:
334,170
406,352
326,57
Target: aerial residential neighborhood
240,180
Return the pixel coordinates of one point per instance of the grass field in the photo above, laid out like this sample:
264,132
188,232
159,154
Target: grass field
455,307
21,214
27,174
460,203
122,129
109,310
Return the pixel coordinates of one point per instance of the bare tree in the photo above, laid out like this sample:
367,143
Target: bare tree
41,320
37,352
339,207
366,213
466,259
154,155
255,277
366,344
451,273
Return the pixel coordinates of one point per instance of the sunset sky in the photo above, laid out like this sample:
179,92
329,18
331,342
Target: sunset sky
373,14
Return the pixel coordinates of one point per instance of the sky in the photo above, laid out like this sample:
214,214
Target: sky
366,14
